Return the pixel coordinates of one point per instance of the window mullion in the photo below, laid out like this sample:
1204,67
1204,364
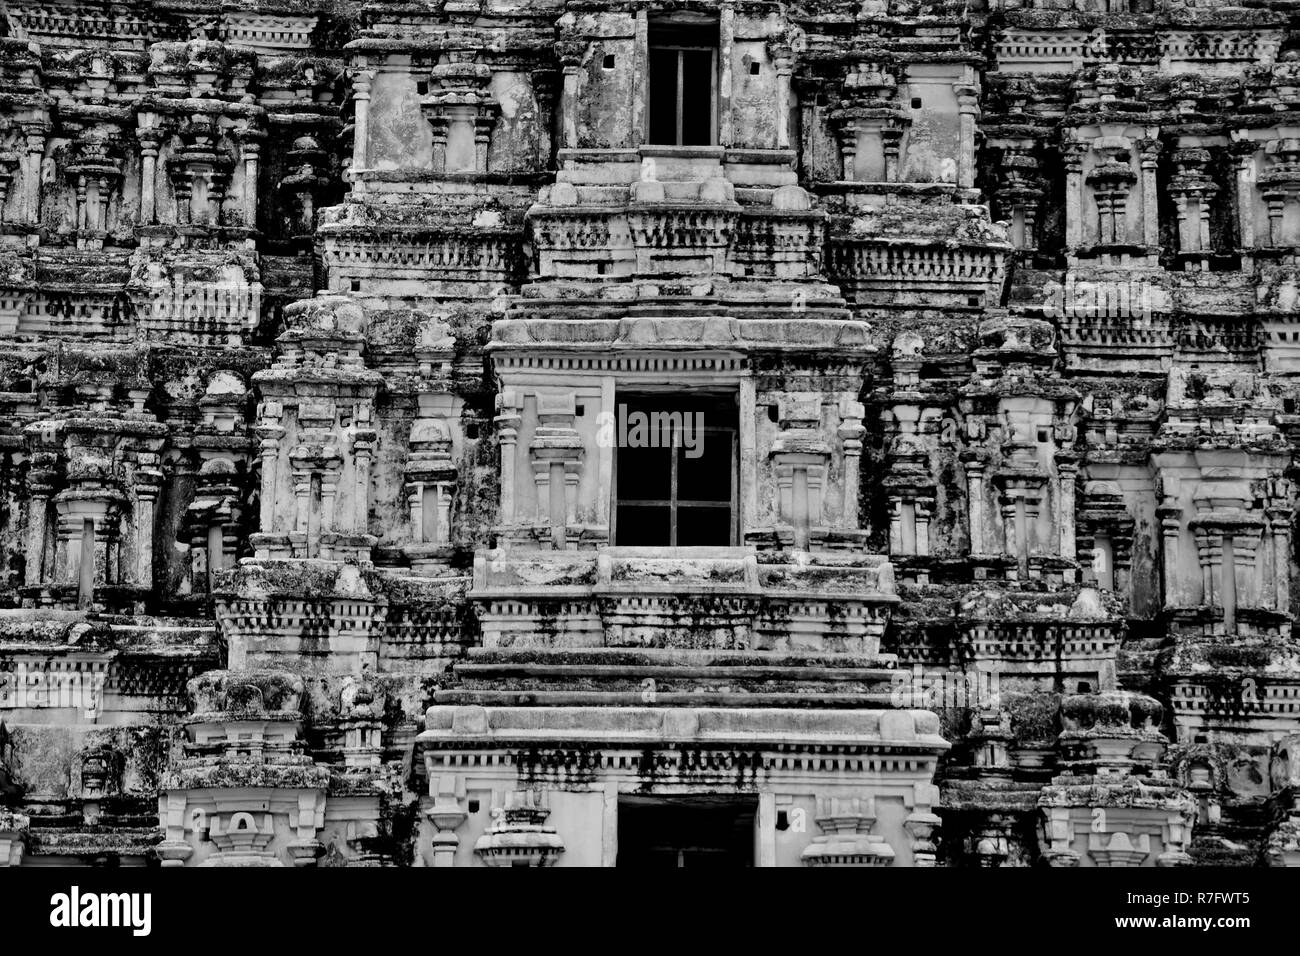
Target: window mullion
681,59
672,486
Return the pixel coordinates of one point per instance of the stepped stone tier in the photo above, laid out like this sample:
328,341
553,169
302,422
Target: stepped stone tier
644,433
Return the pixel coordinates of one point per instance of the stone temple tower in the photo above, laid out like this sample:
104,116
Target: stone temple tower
638,433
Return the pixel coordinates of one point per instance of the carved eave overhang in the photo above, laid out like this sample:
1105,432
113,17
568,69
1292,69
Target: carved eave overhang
1012,385
268,27
1056,40
689,743
841,602
1072,615
78,422
143,667
408,28
184,105
535,342
465,252
896,39
63,25
1181,432
283,589
309,380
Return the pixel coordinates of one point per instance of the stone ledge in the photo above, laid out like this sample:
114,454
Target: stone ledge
650,726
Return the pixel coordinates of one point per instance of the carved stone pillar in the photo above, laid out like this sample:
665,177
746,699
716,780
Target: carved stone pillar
783,62
40,489
1243,154
446,815
1150,152
148,480
361,80
851,433
570,52
726,46
34,138
150,138
1073,160
251,143
968,112
975,505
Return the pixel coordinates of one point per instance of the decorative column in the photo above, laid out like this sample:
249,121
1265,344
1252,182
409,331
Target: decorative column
34,134
1150,149
1279,520
148,480
922,824
969,112
1067,469
1072,155
851,433
1243,154
40,488
446,815
640,71
150,137
361,80
783,62
975,504
726,46
1170,516
507,420
570,52
557,455
923,509
269,433
250,141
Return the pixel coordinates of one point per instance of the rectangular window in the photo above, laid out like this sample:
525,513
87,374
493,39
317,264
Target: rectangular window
675,471
683,87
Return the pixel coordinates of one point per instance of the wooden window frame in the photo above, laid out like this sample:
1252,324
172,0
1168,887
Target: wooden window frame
675,502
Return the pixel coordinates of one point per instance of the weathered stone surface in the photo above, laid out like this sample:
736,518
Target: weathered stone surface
891,446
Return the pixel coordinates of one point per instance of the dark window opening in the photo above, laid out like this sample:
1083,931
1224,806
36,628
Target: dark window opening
609,61
754,68
782,820
422,88
473,806
356,285
675,474
683,88
713,832
916,102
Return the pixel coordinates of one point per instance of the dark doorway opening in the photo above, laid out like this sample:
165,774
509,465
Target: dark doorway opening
705,832
683,89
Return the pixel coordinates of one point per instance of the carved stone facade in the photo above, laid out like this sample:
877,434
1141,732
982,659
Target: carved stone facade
583,433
